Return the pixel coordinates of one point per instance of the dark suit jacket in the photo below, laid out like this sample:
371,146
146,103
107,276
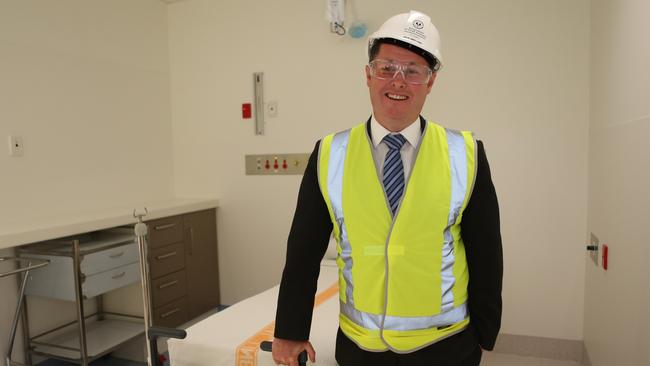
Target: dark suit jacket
310,234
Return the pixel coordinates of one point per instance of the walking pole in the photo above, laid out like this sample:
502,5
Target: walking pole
141,234
151,333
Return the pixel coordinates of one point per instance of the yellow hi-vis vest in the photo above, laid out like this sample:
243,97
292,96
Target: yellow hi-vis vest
402,280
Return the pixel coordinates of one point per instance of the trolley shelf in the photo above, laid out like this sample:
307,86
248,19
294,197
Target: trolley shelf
102,337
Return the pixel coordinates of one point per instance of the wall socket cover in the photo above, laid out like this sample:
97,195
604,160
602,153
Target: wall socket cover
16,147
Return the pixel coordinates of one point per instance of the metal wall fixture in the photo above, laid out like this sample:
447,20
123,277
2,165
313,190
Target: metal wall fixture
258,79
276,164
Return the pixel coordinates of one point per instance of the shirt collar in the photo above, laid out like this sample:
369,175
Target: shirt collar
412,133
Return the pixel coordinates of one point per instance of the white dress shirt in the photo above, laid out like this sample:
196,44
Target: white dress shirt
412,134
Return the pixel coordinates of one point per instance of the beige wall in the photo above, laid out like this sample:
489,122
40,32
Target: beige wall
516,72
617,321
86,84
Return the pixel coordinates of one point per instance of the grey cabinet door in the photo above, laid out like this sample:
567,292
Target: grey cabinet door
201,264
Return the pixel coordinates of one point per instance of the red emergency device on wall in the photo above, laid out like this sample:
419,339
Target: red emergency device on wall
246,110
605,254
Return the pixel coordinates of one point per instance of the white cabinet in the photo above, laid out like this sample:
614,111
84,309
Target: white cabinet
108,260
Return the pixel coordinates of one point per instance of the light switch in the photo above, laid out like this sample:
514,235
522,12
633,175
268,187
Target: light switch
593,248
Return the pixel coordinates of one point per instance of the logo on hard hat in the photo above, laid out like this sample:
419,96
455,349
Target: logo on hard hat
418,24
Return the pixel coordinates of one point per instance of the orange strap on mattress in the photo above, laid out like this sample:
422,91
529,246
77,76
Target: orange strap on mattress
246,353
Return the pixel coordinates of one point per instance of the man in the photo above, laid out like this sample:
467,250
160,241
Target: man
416,219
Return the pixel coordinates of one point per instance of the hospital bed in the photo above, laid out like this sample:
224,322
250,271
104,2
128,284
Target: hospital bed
232,336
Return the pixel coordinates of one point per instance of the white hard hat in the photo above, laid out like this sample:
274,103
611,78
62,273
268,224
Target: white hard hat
412,29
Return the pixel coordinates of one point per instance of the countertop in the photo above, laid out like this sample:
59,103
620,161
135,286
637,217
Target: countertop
34,229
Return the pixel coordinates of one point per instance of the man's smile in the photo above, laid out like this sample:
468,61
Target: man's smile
396,96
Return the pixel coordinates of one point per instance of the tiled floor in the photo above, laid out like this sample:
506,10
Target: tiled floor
489,359
501,359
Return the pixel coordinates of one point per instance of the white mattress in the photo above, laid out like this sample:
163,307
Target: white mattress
215,340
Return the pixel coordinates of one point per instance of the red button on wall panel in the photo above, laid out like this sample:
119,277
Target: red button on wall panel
246,110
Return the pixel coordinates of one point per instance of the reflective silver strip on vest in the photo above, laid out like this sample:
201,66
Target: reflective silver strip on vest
449,315
373,321
336,166
458,167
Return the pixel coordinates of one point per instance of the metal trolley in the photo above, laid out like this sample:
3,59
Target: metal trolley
88,336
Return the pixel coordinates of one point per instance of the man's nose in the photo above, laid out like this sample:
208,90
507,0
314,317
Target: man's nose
397,80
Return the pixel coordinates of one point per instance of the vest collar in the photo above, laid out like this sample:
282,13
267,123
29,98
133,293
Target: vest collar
423,125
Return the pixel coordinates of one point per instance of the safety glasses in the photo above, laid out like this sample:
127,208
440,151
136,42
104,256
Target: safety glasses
412,73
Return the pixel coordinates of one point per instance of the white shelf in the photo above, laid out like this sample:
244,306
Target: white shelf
101,336
47,225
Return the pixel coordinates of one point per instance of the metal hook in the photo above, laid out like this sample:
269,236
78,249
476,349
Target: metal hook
337,28
141,215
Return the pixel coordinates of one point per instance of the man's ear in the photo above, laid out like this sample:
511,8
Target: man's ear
431,81
368,77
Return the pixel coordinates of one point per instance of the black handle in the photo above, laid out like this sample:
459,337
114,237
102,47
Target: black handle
268,347
154,333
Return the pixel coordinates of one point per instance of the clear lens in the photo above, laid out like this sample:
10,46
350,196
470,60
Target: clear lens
386,70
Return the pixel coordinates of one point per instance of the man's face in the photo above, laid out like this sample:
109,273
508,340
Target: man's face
395,102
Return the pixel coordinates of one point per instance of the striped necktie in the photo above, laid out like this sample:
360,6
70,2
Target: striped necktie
394,170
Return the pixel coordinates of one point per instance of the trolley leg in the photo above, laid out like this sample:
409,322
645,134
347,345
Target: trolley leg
22,283
83,350
14,322
26,336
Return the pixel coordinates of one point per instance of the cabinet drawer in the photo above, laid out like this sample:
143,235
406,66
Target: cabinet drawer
56,280
168,288
165,231
103,282
172,314
167,259
108,259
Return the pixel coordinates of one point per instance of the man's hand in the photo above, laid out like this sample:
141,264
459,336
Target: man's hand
285,352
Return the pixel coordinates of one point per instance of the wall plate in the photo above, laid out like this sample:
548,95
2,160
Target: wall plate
595,244
276,164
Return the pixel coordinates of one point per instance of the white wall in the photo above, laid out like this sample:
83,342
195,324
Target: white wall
516,72
617,322
86,84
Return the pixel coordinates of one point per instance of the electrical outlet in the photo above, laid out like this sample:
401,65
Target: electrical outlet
16,147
